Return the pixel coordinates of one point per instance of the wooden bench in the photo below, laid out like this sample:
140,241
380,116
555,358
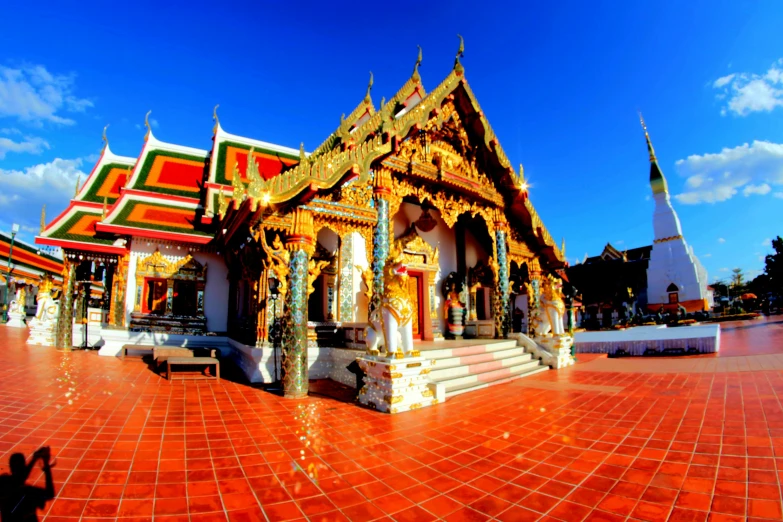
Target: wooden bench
192,361
147,349
162,353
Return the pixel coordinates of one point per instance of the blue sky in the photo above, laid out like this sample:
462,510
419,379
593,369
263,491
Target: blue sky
561,85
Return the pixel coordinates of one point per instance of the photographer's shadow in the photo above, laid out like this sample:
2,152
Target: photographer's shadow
18,501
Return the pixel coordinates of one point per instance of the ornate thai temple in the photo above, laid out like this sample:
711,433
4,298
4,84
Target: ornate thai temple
246,240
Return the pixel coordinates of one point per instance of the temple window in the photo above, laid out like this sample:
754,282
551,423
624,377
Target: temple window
185,299
154,296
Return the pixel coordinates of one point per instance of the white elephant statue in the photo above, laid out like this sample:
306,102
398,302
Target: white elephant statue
16,310
396,312
552,308
44,324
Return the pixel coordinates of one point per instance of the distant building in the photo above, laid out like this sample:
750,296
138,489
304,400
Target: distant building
27,268
640,280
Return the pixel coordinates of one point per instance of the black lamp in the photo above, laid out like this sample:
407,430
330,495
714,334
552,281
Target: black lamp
274,287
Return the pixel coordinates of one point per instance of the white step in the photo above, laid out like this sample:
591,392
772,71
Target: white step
488,376
459,370
450,362
469,387
479,347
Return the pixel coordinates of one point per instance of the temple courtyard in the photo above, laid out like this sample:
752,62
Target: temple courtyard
686,438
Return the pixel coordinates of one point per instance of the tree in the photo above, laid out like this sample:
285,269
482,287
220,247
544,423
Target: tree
737,277
720,289
773,267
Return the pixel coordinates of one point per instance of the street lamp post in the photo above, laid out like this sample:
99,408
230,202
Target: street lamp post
14,231
274,295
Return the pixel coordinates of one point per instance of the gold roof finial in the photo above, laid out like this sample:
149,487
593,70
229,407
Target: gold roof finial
657,179
647,137
147,124
302,155
562,248
104,138
417,64
215,117
78,182
369,88
460,53
43,218
105,203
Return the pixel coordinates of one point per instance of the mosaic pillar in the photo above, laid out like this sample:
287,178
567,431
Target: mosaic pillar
502,311
346,279
64,338
301,244
381,237
534,302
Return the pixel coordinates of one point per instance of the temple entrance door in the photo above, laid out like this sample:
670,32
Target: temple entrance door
416,291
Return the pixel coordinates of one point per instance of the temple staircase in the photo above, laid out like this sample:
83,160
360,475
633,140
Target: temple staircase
472,367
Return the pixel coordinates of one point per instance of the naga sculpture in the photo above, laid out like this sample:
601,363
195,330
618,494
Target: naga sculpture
396,311
277,261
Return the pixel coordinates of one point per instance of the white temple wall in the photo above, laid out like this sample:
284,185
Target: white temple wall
215,290
360,303
328,239
442,237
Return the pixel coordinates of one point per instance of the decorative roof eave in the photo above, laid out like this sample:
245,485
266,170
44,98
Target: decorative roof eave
220,136
28,256
30,276
151,143
153,234
148,197
73,206
79,245
107,157
373,123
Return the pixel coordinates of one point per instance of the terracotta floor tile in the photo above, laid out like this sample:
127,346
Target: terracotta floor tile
729,505
518,514
490,505
413,514
569,512
770,509
617,504
441,505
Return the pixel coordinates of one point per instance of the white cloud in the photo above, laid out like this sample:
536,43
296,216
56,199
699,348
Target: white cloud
9,132
721,240
778,195
712,178
50,183
153,123
34,95
750,92
30,145
767,242
723,80
756,189
621,242
724,269
707,255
